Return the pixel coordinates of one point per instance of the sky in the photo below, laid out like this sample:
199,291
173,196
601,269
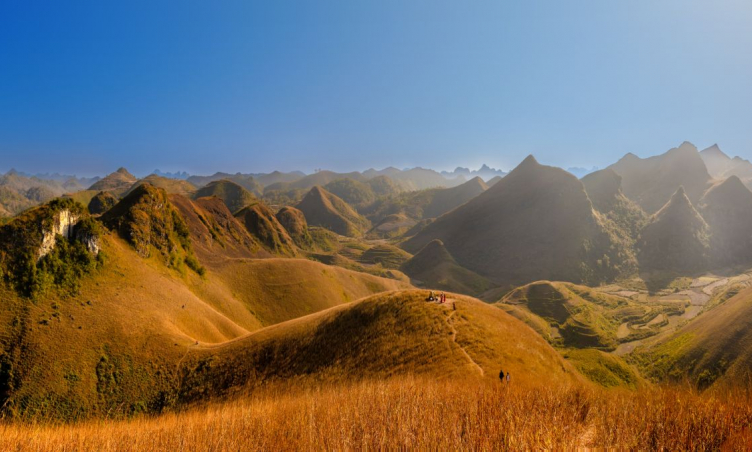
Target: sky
256,86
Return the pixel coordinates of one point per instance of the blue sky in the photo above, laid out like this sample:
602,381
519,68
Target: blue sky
255,86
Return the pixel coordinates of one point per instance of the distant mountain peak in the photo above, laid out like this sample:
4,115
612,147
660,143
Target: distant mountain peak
529,161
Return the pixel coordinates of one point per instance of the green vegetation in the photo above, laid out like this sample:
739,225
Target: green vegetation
603,368
233,195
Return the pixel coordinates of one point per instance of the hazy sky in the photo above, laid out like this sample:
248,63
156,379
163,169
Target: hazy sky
87,86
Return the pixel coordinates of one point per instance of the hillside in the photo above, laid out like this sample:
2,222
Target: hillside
233,195
434,268
727,208
650,182
351,191
715,347
101,202
261,223
537,222
382,336
324,209
675,239
118,182
296,225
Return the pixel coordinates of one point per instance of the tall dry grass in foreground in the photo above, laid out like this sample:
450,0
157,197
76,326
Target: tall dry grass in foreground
420,414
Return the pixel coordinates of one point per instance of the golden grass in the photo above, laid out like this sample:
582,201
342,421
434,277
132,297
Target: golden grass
413,413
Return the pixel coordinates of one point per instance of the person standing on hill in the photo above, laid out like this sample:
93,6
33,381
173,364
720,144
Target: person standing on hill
501,376
509,377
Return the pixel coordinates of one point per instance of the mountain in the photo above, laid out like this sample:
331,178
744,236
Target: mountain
387,256
102,202
171,186
716,161
296,225
176,175
386,335
484,172
277,176
675,239
383,186
320,178
19,191
244,180
233,195
118,182
261,222
727,208
650,182
351,191
604,190
322,208
450,198
537,222
434,268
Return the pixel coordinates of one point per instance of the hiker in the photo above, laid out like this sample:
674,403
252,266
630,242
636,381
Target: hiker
431,297
508,377
501,376
442,297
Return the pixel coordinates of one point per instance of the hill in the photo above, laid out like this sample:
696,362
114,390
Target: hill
650,182
261,222
675,240
171,186
433,267
102,202
387,256
537,222
244,180
118,182
397,333
233,195
324,209
727,208
351,191
296,225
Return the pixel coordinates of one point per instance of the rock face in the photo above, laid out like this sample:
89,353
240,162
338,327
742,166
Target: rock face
63,224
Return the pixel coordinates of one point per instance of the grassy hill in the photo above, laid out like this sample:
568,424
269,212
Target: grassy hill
445,200
387,256
397,333
537,222
296,225
101,202
233,195
261,222
604,190
244,180
353,192
326,210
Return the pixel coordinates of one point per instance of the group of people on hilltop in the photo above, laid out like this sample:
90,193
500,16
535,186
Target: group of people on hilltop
441,298
502,377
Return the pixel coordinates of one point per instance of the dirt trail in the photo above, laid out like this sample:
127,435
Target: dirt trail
462,349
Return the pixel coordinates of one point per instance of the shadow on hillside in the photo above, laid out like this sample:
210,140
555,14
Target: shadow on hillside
656,280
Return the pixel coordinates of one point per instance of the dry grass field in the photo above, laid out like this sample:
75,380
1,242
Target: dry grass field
425,414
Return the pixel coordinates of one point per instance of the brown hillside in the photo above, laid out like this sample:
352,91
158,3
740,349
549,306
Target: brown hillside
382,336
296,225
604,190
322,208
650,182
260,221
537,222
